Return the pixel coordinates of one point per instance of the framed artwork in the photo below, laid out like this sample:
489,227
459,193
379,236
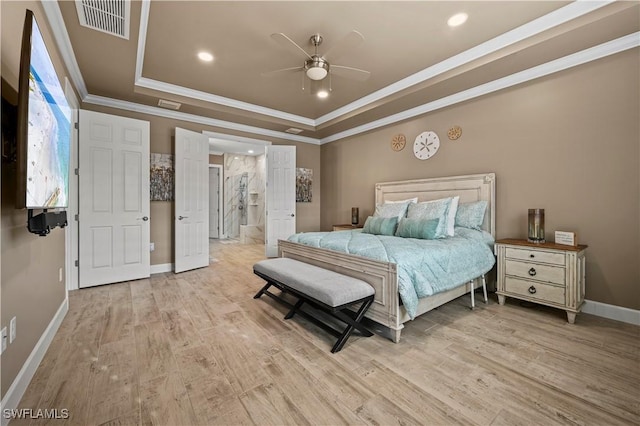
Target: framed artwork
162,174
304,178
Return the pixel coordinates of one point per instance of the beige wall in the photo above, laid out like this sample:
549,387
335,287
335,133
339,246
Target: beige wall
308,214
30,289
568,143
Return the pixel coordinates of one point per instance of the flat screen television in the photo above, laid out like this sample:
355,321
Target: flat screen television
43,126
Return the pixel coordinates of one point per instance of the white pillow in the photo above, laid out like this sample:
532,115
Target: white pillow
451,215
434,209
408,200
398,209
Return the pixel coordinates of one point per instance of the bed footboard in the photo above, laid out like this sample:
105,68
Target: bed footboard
382,276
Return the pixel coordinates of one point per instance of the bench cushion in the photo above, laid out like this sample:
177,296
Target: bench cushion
328,287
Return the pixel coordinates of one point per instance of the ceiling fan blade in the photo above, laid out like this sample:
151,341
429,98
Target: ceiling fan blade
350,72
289,44
283,70
342,46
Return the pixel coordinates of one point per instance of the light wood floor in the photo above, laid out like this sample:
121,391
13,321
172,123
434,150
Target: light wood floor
195,348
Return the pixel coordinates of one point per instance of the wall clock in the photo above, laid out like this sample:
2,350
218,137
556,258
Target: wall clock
454,133
426,145
398,142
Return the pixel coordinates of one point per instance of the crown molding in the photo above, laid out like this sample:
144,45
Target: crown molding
221,100
176,115
591,54
59,30
571,11
523,32
553,19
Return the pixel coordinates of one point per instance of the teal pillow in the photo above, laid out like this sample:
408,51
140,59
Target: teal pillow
425,229
380,225
471,215
435,209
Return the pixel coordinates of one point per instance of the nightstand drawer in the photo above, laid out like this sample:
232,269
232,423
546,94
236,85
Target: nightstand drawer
535,290
535,271
535,256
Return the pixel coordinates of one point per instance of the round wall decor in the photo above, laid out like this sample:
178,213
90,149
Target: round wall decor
398,142
454,133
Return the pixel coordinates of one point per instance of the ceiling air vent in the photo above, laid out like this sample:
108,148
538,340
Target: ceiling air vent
293,131
109,16
169,104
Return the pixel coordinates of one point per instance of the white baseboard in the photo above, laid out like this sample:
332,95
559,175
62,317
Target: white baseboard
161,267
618,313
19,386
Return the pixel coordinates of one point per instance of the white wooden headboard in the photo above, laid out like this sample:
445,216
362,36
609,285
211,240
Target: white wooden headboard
470,188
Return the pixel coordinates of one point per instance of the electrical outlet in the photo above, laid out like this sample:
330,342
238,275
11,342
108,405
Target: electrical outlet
60,274
12,330
3,337
152,247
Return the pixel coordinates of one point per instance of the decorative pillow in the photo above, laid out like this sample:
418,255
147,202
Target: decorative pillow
392,209
408,200
418,228
380,225
451,216
436,209
471,215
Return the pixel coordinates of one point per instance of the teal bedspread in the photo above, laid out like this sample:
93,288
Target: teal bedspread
425,267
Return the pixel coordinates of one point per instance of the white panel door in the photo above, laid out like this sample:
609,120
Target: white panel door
281,196
214,202
192,200
114,227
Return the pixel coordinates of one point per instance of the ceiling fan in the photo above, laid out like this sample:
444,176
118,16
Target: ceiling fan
316,66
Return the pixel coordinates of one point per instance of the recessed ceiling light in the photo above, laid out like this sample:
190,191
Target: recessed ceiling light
322,94
457,19
205,56
250,151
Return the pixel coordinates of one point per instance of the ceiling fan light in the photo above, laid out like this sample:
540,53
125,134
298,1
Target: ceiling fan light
316,73
322,94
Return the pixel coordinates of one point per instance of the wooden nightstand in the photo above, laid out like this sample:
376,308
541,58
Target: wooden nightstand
546,273
347,227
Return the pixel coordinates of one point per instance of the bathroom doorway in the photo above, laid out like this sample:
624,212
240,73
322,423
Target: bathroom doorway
241,208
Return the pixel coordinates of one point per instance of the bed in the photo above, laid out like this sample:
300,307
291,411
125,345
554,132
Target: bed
387,308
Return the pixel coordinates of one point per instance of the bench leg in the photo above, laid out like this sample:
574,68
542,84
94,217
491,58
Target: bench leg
473,302
351,324
293,310
262,290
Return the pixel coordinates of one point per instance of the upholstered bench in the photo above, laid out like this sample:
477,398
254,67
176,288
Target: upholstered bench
325,290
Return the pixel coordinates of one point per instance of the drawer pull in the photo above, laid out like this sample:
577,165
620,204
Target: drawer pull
532,272
532,290
532,255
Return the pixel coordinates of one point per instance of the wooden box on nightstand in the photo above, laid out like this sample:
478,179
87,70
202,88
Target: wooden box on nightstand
546,273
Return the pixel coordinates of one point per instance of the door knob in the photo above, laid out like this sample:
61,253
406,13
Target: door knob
292,215
145,218
183,217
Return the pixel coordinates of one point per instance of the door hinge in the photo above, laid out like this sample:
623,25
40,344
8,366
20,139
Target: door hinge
76,126
75,171
77,217
76,263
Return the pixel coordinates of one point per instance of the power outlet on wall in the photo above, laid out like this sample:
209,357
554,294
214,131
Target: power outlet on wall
152,247
60,274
